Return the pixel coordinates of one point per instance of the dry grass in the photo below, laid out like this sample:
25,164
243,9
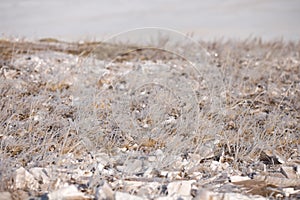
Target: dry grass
61,103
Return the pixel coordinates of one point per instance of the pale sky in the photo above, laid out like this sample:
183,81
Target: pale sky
96,19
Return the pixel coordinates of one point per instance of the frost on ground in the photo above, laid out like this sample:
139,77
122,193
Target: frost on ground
80,122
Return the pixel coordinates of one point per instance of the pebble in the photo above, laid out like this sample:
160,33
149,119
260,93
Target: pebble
105,192
123,195
181,188
133,166
25,180
152,158
67,192
5,196
40,174
289,171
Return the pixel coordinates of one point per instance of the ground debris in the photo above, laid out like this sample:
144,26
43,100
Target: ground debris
81,122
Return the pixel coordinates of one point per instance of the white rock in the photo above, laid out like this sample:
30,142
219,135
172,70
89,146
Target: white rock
40,174
120,168
109,172
82,174
218,166
131,185
234,196
207,151
195,157
149,172
298,171
10,74
105,192
165,198
25,180
152,158
196,175
203,194
124,149
182,188
123,195
5,196
236,179
100,167
289,172
133,166
159,152
67,193
214,165
289,191
176,197
102,160
174,175
149,189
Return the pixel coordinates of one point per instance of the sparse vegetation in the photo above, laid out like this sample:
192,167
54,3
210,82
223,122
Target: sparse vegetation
63,104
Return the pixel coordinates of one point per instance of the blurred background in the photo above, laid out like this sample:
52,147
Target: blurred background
97,19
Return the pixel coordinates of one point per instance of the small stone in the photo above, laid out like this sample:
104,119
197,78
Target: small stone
10,74
214,165
152,158
104,192
102,160
174,175
149,173
100,167
20,194
67,193
133,166
195,157
124,149
159,152
25,180
169,198
196,175
203,194
123,195
5,196
298,171
236,179
40,174
180,188
289,172
164,173
234,196
290,191
120,168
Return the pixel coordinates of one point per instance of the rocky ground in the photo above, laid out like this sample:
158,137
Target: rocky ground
93,120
